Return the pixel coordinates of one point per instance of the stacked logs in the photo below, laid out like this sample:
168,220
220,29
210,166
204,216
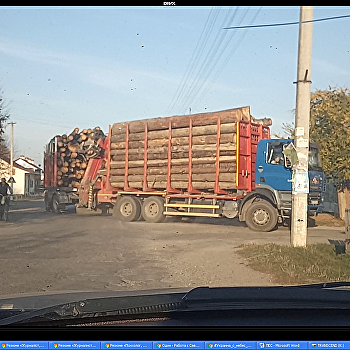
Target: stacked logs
73,154
155,147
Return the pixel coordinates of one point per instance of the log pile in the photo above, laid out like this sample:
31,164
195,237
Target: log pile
73,153
151,137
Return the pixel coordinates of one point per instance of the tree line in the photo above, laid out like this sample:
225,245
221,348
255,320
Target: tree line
330,128
4,117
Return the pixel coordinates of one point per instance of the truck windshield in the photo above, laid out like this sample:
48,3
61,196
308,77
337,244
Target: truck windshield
275,155
314,159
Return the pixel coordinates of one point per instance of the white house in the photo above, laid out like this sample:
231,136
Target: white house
28,163
27,176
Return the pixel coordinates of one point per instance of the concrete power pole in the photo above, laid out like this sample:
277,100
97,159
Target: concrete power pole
11,155
302,119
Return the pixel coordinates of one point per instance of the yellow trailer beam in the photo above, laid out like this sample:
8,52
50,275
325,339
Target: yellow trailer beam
197,206
177,213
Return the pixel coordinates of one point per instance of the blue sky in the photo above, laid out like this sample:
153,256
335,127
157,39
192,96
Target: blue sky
63,68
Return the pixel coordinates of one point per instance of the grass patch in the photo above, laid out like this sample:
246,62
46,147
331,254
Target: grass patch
296,265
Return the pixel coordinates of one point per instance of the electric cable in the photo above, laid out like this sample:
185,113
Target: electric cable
286,23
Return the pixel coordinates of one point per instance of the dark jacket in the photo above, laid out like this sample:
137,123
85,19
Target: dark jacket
4,188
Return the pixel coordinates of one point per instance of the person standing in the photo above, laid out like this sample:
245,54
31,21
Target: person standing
5,188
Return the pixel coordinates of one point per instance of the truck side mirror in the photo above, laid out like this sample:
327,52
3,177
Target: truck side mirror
287,163
290,156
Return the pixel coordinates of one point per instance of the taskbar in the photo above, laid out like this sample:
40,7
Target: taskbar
132,345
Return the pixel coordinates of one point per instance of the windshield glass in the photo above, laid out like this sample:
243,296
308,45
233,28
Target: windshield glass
275,153
314,159
129,147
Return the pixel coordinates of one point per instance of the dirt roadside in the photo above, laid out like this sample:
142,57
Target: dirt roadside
45,252
210,258
222,268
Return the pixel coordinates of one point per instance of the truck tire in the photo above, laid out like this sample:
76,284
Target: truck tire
140,218
56,206
127,208
261,216
48,204
153,208
2,212
6,215
48,207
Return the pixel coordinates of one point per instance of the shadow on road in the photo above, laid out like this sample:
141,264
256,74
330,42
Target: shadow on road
25,211
24,216
218,221
21,212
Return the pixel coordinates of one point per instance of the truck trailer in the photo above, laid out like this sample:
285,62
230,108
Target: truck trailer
217,164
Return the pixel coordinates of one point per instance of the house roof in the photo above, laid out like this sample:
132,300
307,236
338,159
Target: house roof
31,164
15,165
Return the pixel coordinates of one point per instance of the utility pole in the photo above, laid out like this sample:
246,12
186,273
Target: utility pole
302,119
11,155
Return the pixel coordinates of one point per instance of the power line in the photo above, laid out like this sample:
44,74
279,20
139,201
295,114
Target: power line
230,54
197,57
209,60
203,39
193,92
286,23
38,121
213,57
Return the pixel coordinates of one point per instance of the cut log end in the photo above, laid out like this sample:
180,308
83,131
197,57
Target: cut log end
74,152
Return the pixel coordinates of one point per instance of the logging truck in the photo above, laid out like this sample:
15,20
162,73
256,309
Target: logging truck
218,164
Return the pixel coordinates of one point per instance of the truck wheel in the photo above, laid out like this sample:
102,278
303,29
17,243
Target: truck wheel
6,215
56,206
153,208
261,216
127,208
140,218
48,205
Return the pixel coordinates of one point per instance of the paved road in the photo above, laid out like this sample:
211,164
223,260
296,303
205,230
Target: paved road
43,252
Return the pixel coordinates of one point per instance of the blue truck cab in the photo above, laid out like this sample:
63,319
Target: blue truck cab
271,200
274,172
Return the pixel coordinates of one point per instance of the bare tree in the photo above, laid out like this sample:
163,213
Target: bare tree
4,116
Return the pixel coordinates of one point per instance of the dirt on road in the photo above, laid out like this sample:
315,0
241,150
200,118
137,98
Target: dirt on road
43,252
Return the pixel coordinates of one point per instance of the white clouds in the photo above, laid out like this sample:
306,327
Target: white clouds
119,77
329,68
54,87
35,54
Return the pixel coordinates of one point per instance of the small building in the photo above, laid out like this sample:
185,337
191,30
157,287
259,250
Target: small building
26,174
